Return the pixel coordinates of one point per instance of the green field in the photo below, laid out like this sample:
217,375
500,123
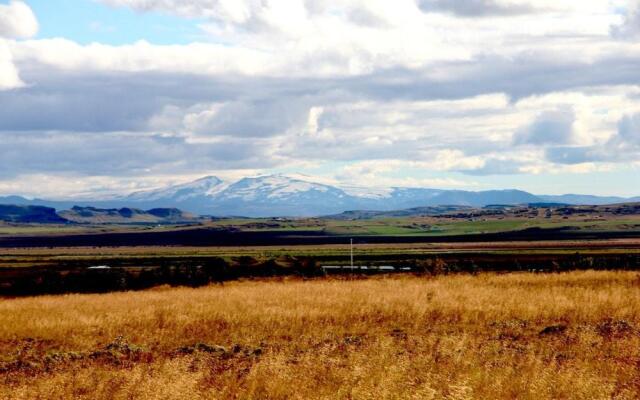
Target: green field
415,226
69,229
399,226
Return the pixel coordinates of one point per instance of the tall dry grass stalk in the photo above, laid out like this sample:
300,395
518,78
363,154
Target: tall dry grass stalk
572,336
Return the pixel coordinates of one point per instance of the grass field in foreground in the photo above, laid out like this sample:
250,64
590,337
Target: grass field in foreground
572,336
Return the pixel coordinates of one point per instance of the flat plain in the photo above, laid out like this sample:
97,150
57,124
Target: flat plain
571,335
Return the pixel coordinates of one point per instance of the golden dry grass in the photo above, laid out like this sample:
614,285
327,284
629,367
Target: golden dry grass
450,337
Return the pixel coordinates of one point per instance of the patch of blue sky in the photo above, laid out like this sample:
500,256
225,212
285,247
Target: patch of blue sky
88,21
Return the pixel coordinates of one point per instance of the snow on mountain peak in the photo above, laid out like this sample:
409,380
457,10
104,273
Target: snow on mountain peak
207,186
295,195
272,186
367,192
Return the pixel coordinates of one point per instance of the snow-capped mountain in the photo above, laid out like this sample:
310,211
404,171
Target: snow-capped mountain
282,195
275,195
275,187
207,187
269,195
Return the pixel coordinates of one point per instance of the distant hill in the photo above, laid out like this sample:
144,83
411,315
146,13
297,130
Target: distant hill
533,209
282,195
29,214
126,215
410,212
583,199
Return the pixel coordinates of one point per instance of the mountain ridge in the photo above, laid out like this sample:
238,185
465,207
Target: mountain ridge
282,195
126,215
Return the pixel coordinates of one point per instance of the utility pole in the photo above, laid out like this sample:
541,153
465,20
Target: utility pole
351,254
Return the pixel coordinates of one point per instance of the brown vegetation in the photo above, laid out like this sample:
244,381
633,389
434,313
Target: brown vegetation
526,336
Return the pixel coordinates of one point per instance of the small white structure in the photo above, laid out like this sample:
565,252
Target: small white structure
99,267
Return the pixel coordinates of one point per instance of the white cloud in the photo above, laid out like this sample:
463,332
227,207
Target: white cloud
384,174
17,20
629,27
471,135
629,130
549,127
321,38
299,84
9,78
196,58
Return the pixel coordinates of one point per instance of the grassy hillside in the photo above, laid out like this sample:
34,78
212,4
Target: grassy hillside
29,214
92,215
570,336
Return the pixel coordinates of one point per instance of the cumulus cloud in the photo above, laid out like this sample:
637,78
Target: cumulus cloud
311,83
369,12
239,12
9,78
380,174
629,130
233,10
253,118
141,56
575,154
124,153
17,20
623,146
474,8
629,28
551,127
496,166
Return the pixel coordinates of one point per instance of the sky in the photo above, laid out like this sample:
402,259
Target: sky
112,96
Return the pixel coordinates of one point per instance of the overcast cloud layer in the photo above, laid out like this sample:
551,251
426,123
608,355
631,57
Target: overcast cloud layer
409,92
